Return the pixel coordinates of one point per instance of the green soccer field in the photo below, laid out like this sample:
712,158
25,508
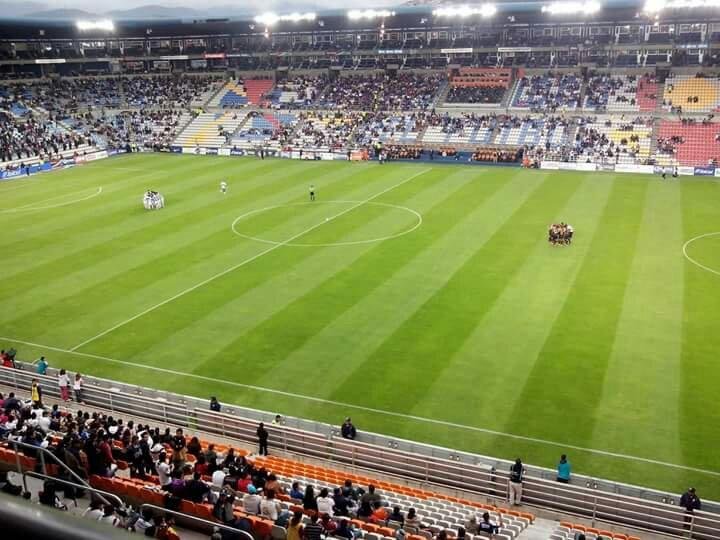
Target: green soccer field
422,300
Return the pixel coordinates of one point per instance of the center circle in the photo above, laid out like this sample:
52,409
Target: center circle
696,262
357,204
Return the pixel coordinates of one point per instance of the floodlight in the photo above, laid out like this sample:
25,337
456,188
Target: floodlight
484,10
269,18
568,8
104,24
356,14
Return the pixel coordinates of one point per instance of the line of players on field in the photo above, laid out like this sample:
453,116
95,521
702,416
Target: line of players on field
560,234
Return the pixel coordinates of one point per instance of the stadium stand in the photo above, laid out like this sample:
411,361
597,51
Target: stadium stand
692,94
324,132
688,143
406,91
232,95
550,92
614,141
466,129
647,94
514,131
390,128
270,130
257,89
611,93
479,86
297,92
211,130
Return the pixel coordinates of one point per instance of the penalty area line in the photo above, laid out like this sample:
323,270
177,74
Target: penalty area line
244,262
394,414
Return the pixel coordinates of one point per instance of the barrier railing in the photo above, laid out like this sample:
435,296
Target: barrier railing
483,478
104,496
196,520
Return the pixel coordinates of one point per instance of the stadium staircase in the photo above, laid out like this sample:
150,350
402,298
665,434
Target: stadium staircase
204,130
256,90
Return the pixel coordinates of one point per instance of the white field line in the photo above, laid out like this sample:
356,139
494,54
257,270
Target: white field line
689,258
370,409
31,208
245,261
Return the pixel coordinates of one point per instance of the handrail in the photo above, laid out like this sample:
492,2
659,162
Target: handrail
219,525
43,453
464,473
102,494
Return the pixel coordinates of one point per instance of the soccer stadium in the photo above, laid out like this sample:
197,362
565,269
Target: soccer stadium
399,271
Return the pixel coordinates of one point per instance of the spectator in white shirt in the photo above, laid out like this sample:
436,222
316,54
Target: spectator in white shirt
163,470
270,508
325,503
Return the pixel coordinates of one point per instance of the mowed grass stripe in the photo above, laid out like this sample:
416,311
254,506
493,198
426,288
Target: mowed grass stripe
699,422
565,382
494,349
132,227
327,285
460,303
111,208
134,267
182,311
642,383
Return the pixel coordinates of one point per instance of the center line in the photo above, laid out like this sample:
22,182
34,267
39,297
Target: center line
246,261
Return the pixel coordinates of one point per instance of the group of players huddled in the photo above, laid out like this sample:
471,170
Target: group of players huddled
560,234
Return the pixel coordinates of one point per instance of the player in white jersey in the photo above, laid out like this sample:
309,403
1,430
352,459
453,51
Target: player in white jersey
312,192
223,187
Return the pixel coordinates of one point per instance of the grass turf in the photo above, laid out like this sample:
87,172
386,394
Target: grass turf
470,319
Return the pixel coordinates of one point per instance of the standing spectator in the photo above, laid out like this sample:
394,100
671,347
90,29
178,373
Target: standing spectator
515,483
78,388
42,366
214,404
563,470
178,445
348,430
64,384
36,394
691,502
163,470
262,436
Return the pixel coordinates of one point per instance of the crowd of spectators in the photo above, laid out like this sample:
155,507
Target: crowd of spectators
549,92
167,91
606,91
31,137
478,95
330,131
404,91
497,155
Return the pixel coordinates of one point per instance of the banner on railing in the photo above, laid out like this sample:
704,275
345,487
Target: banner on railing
567,166
633,168
704,171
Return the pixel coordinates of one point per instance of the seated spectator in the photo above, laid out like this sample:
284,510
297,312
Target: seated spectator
251,501
273,484
328,525
313,530
295,526
309,502
295,492
270,508
341,503
325,503
412,521
196,490
486,526
379,514
397,516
